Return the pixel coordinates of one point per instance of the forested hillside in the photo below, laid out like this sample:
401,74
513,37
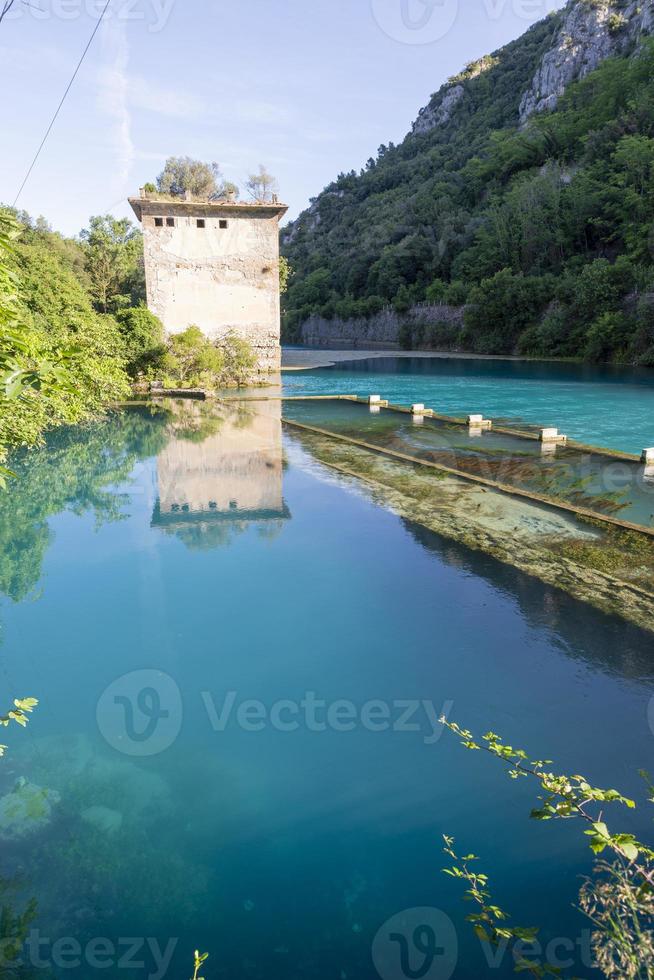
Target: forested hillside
532,205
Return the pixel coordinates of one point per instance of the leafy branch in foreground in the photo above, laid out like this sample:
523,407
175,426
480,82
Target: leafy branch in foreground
199,960
619,899
19,713
490,922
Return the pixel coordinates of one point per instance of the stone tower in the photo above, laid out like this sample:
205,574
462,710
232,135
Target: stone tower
214,264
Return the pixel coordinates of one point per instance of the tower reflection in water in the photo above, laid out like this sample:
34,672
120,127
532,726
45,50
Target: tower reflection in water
221,470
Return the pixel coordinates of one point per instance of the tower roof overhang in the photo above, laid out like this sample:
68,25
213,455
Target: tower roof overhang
204,209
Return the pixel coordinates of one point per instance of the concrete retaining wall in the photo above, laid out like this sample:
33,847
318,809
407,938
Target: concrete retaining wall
378,332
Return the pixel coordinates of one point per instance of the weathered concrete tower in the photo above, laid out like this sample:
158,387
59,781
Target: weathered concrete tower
214,264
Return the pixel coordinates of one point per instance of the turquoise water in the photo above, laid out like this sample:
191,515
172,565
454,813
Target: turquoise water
604,406
156,570
605,485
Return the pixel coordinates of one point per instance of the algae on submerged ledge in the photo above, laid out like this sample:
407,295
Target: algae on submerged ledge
608,567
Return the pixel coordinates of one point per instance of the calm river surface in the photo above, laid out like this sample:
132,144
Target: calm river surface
240,658
606,406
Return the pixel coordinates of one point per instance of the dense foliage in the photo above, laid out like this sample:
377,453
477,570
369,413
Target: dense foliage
546,232
61,360
193,360
113,261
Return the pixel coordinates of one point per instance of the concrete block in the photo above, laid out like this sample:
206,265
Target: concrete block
374,399
479,422
418,409
553,435
647,456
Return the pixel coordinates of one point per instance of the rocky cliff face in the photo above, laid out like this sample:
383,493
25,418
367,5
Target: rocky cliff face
441,106
592,30
439,112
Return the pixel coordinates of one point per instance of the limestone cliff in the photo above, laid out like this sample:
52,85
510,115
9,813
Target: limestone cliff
440,108
439,112
592,30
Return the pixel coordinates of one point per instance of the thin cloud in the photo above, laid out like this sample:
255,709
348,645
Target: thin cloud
177,103
113,89
164,101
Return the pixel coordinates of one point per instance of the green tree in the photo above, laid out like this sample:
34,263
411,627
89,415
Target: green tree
143,339
608,337
192,359
501,307
56,362
261,186
184,175
435,292
113,251
239,360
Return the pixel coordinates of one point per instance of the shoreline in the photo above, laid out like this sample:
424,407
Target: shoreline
311,358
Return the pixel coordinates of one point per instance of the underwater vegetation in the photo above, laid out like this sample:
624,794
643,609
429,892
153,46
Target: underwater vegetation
609,567
98,833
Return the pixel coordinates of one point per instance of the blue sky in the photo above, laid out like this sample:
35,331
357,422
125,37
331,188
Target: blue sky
309,89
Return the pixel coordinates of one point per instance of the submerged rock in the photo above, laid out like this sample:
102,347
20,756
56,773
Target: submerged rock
103,818
26,810
75,767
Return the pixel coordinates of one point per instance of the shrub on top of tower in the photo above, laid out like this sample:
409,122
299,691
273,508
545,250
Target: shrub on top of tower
262,186
185,177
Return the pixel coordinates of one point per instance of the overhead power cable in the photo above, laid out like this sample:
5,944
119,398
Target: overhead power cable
63,99
6,7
